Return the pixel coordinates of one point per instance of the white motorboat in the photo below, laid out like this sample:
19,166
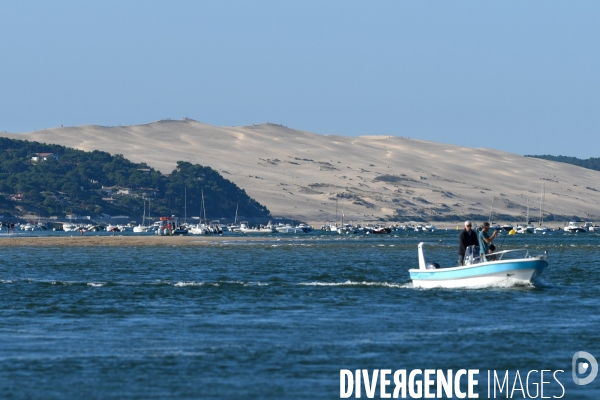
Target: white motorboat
234,228
591,227
68,227
574,227
529,228
507,267
287,228
330,227
215,227
112,228
245,228
29,227
348,229
304,227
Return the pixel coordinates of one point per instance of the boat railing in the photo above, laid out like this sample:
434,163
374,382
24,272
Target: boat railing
499,255
472,255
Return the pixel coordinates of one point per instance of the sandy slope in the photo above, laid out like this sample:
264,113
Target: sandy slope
298,174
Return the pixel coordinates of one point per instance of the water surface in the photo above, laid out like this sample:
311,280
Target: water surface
279,319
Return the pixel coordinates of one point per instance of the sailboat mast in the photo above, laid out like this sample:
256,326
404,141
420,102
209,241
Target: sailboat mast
336,204
236,210
185,206
203,208
543,194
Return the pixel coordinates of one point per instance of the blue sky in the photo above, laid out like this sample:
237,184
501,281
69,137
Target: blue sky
519,76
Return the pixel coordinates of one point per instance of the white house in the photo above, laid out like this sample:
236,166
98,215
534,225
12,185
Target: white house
43,156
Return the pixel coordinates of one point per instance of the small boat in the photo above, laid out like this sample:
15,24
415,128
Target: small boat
304,227
169,226
574,227
245,228
142,227
69,227
591,227
380,230
199,229
113,228
507,267
544,230
330,227
347,229
287,228
215,227
529,228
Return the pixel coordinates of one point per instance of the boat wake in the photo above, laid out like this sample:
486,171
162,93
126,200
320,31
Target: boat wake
364,283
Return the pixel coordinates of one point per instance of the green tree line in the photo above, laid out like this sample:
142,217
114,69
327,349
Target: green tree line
590,163
78,182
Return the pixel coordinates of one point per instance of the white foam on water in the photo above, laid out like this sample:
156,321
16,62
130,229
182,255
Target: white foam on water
246,283
351,283
95,284
505,284
183,284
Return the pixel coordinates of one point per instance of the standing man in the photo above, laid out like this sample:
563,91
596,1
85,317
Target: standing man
467,238
485,240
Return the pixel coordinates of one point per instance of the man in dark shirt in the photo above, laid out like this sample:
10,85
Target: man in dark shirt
467,238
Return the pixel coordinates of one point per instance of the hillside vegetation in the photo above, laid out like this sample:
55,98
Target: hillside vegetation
590,163
69,181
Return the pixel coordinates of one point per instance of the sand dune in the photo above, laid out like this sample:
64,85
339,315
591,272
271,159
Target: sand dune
298,174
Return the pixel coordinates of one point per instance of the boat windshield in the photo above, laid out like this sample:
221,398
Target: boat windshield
472,255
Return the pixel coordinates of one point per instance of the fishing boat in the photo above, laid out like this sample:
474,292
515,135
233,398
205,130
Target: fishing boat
507,267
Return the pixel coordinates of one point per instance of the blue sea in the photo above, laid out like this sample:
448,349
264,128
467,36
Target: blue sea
273,319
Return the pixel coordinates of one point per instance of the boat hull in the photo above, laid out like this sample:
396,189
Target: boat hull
493,273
